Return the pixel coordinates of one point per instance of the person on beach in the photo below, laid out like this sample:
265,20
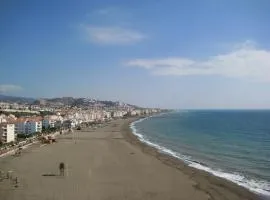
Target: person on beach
16,182
62,169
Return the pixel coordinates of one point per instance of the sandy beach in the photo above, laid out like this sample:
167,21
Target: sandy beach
109,163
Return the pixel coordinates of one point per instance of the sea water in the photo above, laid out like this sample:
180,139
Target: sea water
232,144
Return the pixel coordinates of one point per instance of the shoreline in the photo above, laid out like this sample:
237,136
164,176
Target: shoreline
109,163
216,187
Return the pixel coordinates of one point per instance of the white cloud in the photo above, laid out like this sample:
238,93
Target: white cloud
6,88
112,35
245,61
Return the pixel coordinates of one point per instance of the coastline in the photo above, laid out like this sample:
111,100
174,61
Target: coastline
216,187
109,163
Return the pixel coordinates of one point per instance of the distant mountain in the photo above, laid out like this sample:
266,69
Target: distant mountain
65,101
68,101
12,99
81,102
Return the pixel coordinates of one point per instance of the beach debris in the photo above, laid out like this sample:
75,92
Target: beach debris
48,139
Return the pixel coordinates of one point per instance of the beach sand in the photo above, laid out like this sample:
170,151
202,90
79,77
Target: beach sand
109,163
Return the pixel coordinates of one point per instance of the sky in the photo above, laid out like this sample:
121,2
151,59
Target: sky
188,54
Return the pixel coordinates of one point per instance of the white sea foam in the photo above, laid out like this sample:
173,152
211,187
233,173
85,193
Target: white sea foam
258,186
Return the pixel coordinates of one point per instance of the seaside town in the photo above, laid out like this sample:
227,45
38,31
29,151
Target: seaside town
21,123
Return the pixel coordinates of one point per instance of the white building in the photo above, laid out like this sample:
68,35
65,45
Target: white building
138,112
107,115
7,132
92,116
4,105
52,123
28,126
3,118
117,114
33,126
133,113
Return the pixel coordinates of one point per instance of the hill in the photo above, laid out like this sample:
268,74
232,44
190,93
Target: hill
13,99
65,101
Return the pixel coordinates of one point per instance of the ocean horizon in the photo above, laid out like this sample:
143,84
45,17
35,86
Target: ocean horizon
231,144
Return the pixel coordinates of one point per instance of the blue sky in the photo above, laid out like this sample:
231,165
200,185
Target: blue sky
175,54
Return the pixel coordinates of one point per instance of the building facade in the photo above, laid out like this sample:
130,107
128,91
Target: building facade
7,132
33,126
20,126
28,126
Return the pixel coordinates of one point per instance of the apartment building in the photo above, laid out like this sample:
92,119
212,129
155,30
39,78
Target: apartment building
7,132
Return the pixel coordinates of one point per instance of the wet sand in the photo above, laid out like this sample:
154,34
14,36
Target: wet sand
109,163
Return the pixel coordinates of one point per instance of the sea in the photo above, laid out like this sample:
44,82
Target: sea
232,144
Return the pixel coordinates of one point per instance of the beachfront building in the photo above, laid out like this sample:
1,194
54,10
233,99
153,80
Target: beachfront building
33,125
28,126
69,124
20,126
155,110
117,114
52,123
98,116
138,112
146,112
133,113
107,115
57,124
48,123
55,121
7,132
92,116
